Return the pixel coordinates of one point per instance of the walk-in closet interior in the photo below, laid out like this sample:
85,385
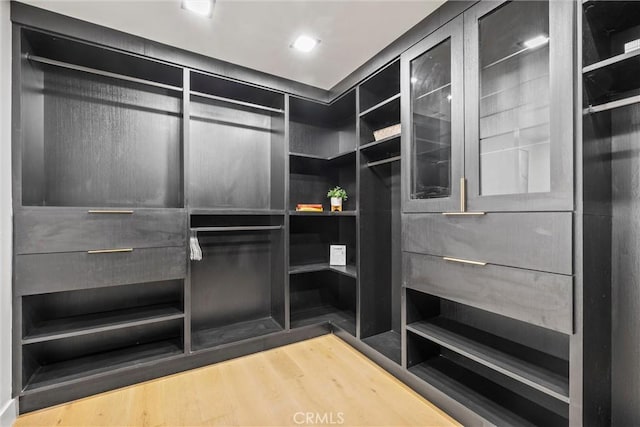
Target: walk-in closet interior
489,234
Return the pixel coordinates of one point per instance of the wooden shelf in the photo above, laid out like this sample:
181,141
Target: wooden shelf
348,270
238,228
214,337
100,322
386,343
344,319
613,79
382,148
474,391
611,61
236,102
528,373
381,104
216,211
82,368
323,213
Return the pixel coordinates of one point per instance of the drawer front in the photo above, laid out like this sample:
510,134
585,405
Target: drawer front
43,273
542,299
537,241
68,230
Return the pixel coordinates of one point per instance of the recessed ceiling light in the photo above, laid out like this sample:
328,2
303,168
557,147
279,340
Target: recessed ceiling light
305,43
201,7
536,41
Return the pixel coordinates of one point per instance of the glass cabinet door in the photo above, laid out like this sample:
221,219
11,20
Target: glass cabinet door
519,102
432,109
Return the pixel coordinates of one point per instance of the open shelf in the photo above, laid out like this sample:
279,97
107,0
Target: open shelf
348,270
200,211
209,338
323,296
323,213
70,359
386,343
613,80
300,161
383,147
477,345
483,396
381,86
101,363
383,105
97,322
230,229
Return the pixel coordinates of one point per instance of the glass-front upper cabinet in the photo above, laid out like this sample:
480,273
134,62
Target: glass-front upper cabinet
432,126
519,104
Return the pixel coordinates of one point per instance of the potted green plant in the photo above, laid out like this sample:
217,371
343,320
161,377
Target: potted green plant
337,196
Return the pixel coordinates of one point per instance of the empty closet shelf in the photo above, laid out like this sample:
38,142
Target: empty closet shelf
347,270
385,146
237,102
99,322
323,213
386,343
213,337
238,228
343,319
448,334
86,367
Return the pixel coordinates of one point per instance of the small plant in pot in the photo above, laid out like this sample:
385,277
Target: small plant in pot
337,196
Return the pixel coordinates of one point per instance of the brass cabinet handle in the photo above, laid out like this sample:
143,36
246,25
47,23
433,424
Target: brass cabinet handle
110,251
464,261
110,211
463,213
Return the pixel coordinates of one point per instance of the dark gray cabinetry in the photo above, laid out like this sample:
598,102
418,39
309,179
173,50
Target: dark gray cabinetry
432,120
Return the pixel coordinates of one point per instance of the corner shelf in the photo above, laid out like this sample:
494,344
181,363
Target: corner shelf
348,270
99,322
541,379
323,213
343,319
386,343
213,337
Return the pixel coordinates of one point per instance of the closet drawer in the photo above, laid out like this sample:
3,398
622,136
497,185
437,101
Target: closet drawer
45,230
542,299
43,273
537,241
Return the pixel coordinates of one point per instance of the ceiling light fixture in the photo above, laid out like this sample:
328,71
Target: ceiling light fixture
305,43
536,41
201,7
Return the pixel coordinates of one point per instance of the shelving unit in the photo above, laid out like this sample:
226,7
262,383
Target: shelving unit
347,270
380,229
238,287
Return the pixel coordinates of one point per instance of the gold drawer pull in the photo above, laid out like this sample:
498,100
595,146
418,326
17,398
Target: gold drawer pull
110,211
463,261
110,251
463,213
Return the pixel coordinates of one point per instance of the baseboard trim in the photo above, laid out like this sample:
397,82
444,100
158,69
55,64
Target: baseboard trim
9,413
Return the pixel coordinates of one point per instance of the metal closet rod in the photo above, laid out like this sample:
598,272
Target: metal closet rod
236,102
100,72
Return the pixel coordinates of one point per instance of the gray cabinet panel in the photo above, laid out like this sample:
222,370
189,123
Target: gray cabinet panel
542,299
46,230
43,273
537,241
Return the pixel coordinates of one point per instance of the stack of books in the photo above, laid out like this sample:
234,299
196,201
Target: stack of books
308,207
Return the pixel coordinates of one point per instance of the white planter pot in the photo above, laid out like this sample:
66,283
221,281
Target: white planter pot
336,204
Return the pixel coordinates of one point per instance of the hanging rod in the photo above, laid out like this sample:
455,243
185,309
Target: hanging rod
613,104
238,228
89,70
236,102
382,162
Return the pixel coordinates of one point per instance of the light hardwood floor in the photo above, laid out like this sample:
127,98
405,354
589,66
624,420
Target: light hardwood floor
322,381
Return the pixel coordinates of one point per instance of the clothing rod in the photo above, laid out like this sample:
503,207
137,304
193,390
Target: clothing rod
100,72
236,102
238,228
382,162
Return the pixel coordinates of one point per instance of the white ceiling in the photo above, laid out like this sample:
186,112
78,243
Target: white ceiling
257,33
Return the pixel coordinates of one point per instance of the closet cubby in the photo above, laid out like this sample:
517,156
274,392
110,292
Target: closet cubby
94,121
321,297
237,289
529,355
610,74
322,147
237,146
58,315
76,358
498,398
380,214
309,241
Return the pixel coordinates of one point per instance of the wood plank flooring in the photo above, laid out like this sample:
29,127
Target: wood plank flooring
318,382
